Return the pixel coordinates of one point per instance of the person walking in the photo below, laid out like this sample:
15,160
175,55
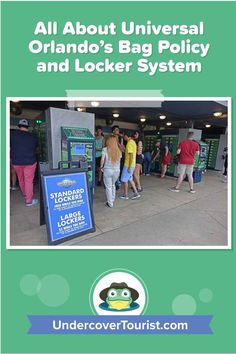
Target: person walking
99,143
166,158
187,150
147,162
129,166
156,156
24,146
225,173
139,161
110,166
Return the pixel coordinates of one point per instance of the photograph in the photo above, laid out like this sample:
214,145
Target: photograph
117,197
118,174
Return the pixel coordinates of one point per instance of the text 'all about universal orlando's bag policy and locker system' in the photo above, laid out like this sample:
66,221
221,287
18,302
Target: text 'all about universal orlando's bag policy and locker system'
123,47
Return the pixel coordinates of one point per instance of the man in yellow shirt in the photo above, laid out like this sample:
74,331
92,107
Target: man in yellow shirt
129,166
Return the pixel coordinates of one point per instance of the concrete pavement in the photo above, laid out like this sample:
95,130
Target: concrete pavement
159,218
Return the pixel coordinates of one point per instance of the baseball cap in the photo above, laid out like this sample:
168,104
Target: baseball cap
23,123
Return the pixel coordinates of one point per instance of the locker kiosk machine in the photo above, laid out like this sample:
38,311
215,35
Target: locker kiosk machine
78,145
201,160
213,145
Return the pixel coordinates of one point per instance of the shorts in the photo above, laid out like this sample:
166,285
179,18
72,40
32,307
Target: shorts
127,176
185,169
139,159
166,159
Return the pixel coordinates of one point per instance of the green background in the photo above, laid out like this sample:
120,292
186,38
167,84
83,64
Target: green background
166,273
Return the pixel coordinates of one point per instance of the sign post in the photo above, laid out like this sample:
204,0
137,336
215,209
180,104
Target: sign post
67,204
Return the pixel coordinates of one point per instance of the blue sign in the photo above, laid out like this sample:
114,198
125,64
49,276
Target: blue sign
67,205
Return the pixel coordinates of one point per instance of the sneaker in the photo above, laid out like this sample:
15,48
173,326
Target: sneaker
140,190
99,183
192,191
174,189
124,197
135,196
147,174
224,180
108,205
14,188
34,202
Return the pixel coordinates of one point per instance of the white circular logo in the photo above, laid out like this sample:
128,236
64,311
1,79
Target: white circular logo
118,293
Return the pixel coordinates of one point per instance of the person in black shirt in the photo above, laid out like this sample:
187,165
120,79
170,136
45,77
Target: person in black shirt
225,157
24,146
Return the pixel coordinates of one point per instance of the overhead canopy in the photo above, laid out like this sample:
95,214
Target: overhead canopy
179,113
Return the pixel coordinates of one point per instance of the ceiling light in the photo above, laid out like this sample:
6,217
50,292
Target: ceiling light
15,101
80,109
169,124
116,115
162,117
142,120
217,114
207,125
95,103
